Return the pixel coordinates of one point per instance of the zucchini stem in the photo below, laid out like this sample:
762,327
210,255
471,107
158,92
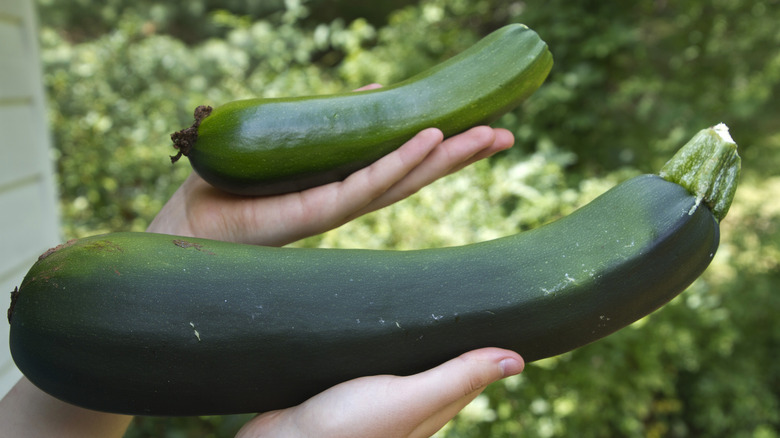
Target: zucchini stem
709,167
184,140
14,297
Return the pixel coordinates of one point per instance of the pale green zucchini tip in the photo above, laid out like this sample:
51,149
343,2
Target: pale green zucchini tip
709,167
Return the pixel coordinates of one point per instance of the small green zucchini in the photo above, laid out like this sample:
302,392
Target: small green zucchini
152,324
273,146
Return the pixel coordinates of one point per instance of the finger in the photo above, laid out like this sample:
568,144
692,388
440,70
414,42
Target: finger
448,388
452,155
503,140
375,180
324,207
465,375
368,87
461,150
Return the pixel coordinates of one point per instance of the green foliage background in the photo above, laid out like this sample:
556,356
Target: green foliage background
632,82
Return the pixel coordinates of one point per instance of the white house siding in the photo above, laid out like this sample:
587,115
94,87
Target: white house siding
29,222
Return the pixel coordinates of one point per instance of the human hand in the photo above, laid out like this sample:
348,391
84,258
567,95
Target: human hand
199,210
390,406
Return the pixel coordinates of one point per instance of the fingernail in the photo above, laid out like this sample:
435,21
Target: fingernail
511,366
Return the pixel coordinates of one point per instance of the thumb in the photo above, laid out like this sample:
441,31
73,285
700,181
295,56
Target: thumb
392,406
445,390
469,372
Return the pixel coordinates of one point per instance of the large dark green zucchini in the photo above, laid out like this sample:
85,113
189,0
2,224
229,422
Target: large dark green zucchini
143,323
272,146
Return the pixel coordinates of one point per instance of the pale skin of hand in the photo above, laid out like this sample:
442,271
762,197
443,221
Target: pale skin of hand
390,406
376,406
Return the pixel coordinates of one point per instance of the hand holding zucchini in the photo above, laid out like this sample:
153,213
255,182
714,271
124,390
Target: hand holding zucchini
273,146
152,324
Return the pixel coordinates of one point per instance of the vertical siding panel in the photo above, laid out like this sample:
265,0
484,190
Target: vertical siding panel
28,199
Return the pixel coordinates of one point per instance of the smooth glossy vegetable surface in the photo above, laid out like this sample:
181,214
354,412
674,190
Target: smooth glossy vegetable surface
272,146
143,323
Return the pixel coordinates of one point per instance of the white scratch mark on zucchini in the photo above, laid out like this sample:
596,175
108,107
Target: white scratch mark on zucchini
197,335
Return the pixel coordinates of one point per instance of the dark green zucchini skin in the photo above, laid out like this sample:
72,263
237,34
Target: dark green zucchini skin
151,324
279,145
